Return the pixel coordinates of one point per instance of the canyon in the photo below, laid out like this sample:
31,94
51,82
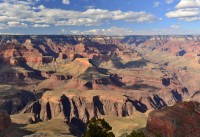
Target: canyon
69,79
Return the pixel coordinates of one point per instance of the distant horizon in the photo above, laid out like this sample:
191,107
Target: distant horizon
93,17
97,35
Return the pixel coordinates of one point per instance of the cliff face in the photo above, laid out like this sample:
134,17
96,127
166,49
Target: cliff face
13,101
179,120
88,104
79,107
5,120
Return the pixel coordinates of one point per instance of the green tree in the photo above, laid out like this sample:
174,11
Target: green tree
98,128
136,134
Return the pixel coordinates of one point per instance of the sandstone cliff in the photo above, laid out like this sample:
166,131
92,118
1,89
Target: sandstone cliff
84,105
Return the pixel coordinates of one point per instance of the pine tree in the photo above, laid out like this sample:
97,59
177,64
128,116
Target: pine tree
98,128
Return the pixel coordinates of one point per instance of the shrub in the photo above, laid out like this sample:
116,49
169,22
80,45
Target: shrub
98,128
136,134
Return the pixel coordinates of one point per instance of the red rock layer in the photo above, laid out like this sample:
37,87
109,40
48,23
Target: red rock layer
180,120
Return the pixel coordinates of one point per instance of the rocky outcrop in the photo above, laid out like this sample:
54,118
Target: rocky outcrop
180,120
196,96
79,107
17,78
88,104
58,77
15,100
5,120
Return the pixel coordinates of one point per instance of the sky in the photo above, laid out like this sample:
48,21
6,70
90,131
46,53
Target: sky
100,17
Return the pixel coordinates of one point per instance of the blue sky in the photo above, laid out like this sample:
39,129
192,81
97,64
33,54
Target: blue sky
107,17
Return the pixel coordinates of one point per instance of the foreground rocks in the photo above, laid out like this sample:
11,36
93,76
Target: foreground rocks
180,120
5,120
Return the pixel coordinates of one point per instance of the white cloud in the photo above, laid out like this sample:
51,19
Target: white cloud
11,34
24,2
133,16
16,24
187,10
66,1
110,31
156,4
41,7
41,25
169,1
190,19
172,30
41,16
190,12
188,4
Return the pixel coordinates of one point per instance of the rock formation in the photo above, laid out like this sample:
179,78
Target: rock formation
180,120
88,104
5,120
14,100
